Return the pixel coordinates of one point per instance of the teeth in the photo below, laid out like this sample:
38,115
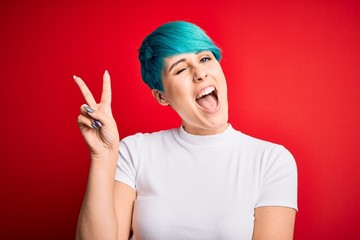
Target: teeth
206,91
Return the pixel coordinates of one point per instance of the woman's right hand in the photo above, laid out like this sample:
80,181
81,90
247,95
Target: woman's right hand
96,121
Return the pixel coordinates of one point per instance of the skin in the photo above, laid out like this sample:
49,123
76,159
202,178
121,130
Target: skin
274,223
107,207
100,217
193,73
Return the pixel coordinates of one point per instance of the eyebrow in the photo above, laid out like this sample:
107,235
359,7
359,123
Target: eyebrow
177,62
182,60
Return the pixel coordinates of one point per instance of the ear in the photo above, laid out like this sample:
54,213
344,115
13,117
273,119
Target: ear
159,96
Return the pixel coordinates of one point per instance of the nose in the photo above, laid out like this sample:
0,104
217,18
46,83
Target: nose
199,74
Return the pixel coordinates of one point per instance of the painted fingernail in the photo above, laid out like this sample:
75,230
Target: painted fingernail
74,77
94,126
88,109
98,123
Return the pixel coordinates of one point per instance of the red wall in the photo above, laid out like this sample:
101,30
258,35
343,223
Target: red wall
293,72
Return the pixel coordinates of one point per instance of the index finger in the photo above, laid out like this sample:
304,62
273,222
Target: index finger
85,91
106,91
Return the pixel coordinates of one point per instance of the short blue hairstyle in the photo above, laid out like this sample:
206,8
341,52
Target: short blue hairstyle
167,40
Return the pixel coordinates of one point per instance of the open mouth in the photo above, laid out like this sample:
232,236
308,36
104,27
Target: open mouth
207,99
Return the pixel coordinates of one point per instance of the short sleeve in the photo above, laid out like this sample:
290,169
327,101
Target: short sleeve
126,165
279,182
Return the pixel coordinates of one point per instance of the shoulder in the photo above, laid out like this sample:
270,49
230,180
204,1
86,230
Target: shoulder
250,142
134,147
148,138
269,151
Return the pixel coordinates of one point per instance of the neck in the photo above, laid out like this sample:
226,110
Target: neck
205,131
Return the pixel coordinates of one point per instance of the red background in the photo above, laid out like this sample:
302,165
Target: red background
293,71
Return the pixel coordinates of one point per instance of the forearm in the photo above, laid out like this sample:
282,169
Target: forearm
97,219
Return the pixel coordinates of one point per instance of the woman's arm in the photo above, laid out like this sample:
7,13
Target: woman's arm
276,223
124,197
99,218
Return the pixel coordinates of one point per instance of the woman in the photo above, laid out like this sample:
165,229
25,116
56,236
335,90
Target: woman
204,180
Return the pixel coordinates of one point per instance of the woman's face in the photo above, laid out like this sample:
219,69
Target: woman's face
195,87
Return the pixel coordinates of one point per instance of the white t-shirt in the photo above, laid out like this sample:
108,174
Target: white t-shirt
203,187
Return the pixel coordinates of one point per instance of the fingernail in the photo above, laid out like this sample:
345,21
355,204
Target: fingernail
94,125
74,77
106,72
98,123
88,109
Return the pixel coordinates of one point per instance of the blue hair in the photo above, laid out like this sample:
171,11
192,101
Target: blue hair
171,39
